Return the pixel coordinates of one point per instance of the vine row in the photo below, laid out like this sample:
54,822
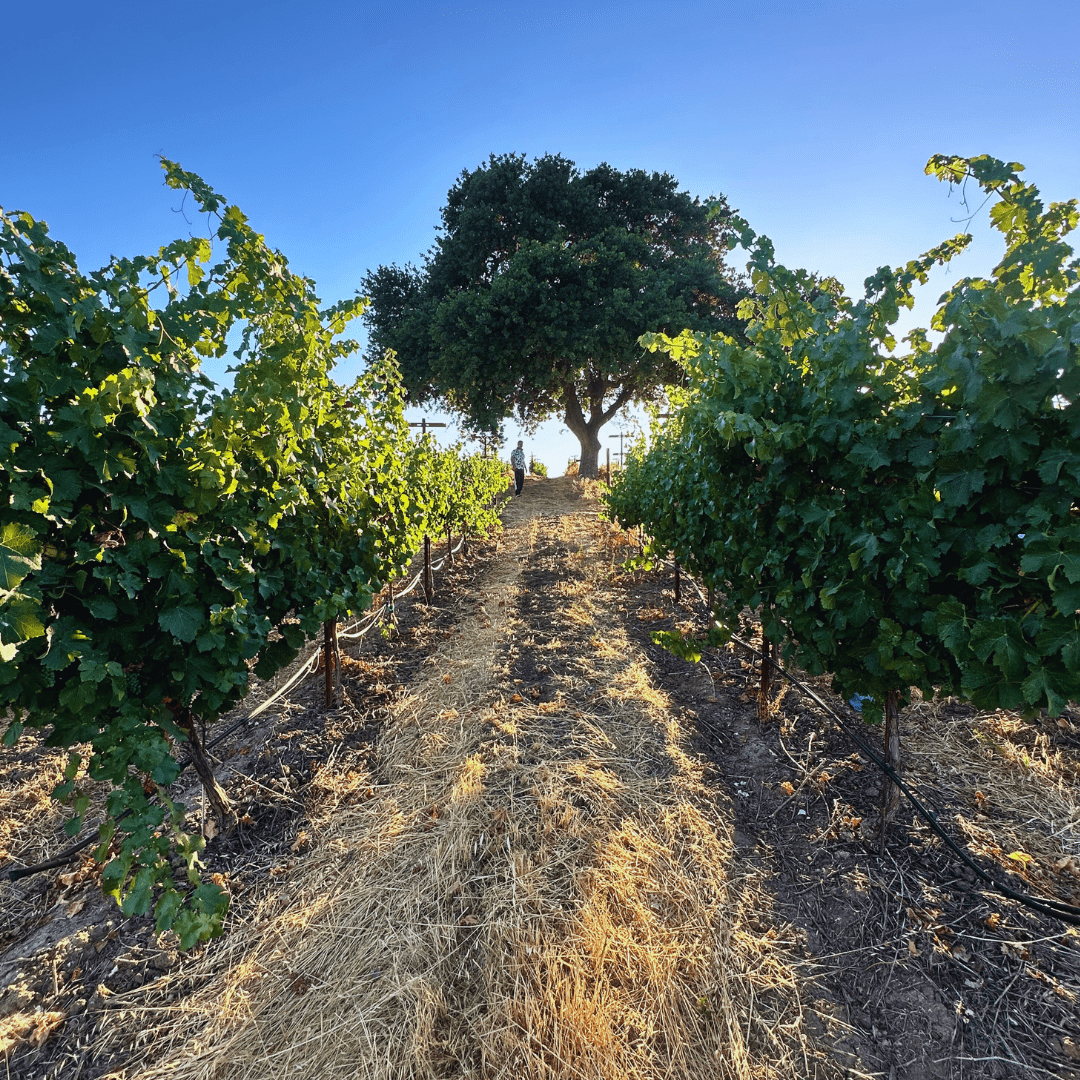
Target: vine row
898,517
162,539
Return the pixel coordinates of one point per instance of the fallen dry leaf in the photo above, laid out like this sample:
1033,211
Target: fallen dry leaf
44,1025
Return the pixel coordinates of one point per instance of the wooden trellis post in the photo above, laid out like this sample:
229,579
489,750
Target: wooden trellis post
766,678
425,423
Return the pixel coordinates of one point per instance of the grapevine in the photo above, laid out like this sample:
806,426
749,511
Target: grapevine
148,515
898,519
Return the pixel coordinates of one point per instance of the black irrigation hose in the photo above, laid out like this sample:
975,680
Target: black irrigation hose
1069,913
1054,908
60,860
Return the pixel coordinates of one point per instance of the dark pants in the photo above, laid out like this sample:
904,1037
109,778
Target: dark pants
519,480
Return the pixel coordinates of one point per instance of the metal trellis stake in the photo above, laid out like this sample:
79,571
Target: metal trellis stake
429,581
329,658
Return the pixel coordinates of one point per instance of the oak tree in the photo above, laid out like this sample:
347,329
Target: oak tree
540,283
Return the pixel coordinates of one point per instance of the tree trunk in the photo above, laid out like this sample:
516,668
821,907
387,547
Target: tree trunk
589,462
587,430
219,801
890,793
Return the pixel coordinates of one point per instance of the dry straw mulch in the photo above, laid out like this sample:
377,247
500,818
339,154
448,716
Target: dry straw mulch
524,884
1023,794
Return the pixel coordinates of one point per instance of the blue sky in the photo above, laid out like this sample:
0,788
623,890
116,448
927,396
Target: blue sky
339,127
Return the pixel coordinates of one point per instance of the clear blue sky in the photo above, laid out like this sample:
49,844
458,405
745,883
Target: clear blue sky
339,127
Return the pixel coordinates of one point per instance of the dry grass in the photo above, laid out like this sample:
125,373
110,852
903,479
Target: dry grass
523,889
1023,797
30,819
32,822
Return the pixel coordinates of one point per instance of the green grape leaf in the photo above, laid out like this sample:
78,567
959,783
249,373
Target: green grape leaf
183,621
21,620
677,644
1067,599
20,554
140,895
1040,687
166,909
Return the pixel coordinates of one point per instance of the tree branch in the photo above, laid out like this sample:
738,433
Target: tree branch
624,397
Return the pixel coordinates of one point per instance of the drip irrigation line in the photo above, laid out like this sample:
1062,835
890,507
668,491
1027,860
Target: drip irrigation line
57,861
353,635
373,618
308,668
1069,913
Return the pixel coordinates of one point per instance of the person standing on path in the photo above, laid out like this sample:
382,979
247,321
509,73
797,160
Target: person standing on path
517,460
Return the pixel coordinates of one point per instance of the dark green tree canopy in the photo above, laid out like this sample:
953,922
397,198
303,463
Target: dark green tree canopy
539,285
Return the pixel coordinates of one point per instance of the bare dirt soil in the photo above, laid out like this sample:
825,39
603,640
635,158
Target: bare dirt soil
528,842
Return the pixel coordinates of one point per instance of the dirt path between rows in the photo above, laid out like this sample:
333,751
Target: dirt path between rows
531,844
531,880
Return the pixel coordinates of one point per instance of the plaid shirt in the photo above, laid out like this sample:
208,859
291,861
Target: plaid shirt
517,458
